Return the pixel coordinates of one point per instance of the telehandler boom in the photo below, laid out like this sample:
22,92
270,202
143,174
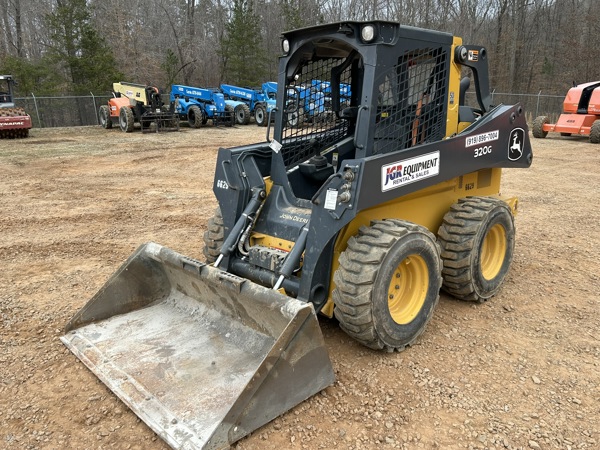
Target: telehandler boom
364,215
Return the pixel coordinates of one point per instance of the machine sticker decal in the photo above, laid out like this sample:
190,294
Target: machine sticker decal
515,144
482,138
408,171
275,146
473,55
331,199
482,151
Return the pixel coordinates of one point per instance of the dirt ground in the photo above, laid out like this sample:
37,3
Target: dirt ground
520,371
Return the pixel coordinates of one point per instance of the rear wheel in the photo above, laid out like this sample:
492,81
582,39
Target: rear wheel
387,284
229,116
104,115
126,119
195,117
477,237
260,116
538,127
214,237
242,114
295,118
595,132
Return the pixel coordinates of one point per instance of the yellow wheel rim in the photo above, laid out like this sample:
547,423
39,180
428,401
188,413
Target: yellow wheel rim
408,289
493,252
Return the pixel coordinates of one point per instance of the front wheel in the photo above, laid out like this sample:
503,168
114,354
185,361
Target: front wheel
260,116
538,127
387,284
595,132
126,119
242,114
229,116
214,237
295,117
195,117
105,120
477,237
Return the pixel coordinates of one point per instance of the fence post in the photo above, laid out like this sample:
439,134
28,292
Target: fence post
95,108
37,111
537,106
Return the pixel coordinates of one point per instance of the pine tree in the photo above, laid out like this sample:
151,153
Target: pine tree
38,77
292,15
77,46
241,49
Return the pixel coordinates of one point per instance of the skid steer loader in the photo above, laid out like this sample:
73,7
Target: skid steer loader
363,215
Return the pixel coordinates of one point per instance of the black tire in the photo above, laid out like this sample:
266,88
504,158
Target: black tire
260,116
230,116
126,119
295,117
242,114
214,237
388,284
595,132
477,237
104,115
538,124
195,116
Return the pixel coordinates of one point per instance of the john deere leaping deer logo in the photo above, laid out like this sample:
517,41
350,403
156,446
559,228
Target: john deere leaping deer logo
515,144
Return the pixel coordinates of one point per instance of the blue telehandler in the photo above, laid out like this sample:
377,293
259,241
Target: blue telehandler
305,104
247,102
198,105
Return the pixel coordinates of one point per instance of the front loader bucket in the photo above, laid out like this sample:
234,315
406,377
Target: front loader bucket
202,356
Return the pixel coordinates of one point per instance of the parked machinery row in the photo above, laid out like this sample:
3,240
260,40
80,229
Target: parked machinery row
133,103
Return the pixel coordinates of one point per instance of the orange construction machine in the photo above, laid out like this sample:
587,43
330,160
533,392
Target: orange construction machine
137,103
580,116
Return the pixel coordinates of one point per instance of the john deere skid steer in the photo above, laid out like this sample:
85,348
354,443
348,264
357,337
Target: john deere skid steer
364,214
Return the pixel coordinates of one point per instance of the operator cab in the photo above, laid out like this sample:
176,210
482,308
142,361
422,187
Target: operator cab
357,90
6,91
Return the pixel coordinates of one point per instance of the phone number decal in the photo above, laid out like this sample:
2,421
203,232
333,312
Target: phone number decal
482,138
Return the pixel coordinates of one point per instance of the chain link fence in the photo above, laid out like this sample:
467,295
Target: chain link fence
534,105
74,111
65,111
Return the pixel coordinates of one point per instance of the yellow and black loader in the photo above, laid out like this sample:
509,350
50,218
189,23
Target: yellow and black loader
364,214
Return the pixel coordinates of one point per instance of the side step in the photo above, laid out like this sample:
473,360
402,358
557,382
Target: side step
202,356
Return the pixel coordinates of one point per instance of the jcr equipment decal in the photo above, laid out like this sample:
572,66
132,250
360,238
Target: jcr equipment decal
409,170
